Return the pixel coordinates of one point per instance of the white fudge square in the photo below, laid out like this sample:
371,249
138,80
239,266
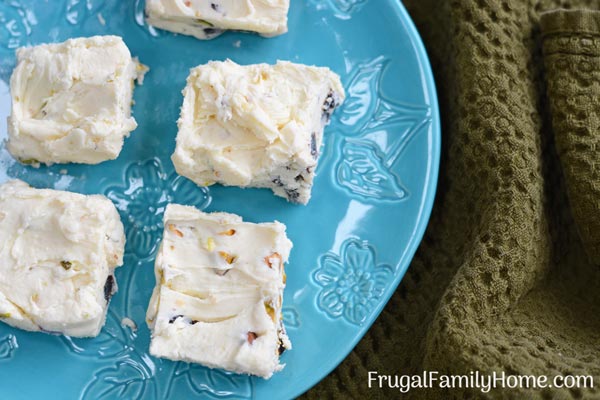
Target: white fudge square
219,290
71,101
58,252
256,125
208,19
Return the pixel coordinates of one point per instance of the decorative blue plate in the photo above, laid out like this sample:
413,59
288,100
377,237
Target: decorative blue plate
352,243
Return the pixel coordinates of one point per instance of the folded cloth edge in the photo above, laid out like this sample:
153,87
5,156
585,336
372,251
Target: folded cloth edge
578,21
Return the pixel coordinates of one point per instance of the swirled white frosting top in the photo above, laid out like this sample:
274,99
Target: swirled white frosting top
255,125
218,294
71,101
58,251
208,19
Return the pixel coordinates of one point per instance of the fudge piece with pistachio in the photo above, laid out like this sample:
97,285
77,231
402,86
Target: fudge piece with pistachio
205,19
256,125
71,101
58,252
218,294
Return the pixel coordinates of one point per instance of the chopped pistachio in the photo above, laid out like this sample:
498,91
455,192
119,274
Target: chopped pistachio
210,244
251,336
269,258
175,230
193,293
227,257
66,264
141,68
5,315
204,22
270,310
29,161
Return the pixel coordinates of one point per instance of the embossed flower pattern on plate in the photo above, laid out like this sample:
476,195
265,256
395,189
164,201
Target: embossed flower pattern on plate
352,281
77,11
16,20
341,8
125,380
212,383
143,198
364,169
291,318
140,19
8,346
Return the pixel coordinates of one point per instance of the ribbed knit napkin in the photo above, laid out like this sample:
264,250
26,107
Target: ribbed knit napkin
571,43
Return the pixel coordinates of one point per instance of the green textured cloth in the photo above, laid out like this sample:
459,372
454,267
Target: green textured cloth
571,51
507,277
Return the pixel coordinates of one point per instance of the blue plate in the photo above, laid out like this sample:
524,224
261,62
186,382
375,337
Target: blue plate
352,243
